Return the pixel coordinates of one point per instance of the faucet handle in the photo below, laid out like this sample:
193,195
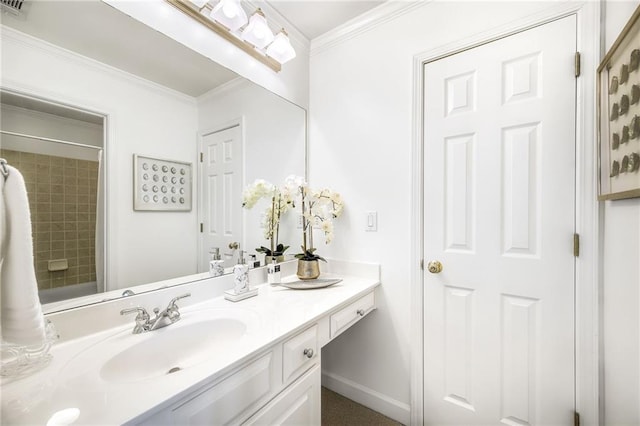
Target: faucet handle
175,299
142,312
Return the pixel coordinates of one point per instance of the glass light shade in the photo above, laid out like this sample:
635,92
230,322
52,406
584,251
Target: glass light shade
258,32
281,49
229,13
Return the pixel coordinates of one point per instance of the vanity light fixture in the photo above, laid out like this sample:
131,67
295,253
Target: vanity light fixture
257,32
255,38
230,14
281,49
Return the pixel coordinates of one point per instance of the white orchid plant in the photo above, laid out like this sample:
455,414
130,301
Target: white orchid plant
319,209
281,201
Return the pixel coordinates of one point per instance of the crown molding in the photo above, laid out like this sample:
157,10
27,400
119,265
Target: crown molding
11,35
228,87
382,14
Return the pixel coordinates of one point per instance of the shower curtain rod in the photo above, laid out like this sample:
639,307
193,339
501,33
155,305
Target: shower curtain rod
22,135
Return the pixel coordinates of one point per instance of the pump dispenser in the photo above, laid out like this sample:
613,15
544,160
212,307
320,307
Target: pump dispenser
273,272
241,288
216,265
241,275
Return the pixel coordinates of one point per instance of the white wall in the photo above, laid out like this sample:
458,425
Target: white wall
360,144
621,282
274,132
143,118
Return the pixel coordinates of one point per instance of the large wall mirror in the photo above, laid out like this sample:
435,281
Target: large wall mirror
84,89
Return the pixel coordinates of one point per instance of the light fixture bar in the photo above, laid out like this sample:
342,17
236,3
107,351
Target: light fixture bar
189,9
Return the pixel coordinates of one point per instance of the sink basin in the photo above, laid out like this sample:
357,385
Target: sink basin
205,335
171,349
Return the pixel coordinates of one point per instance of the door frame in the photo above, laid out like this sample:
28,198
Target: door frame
587,211
202,265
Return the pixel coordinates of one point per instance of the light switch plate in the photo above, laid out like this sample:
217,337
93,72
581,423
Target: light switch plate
371,224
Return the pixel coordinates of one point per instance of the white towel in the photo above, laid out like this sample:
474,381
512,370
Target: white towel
22,318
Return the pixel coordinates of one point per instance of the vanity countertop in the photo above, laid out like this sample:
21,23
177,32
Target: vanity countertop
73,378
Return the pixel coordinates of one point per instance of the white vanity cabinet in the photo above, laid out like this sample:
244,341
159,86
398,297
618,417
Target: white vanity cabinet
280,386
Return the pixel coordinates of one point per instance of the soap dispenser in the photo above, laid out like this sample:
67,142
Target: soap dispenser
241,287
273,272
253,262
216,264
241,275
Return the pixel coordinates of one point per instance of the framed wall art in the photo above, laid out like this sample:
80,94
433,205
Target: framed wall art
619,116
161,185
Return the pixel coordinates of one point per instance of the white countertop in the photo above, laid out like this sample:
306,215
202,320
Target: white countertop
72,379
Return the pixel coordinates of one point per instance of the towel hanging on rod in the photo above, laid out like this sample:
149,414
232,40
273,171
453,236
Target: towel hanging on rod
3,168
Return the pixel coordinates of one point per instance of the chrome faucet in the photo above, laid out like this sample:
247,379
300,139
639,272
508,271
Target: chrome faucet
145,323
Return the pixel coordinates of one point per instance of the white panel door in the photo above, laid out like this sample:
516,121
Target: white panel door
499,166
221,191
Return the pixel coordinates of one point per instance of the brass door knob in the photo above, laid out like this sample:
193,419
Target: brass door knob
435,267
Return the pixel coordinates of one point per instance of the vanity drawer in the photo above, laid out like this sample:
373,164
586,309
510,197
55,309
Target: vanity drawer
348,316
232,399
299,353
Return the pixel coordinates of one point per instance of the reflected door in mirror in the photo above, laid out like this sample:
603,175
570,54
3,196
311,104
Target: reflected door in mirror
222,192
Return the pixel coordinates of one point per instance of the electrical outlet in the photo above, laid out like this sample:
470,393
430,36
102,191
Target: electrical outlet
371,224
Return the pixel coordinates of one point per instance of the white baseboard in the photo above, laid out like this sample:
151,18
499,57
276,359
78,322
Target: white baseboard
383,404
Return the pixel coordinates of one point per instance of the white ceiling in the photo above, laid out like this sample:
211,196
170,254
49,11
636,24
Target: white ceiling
98,31
315,17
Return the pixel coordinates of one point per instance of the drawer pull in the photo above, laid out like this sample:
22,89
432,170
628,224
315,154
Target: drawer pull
308,352
360,312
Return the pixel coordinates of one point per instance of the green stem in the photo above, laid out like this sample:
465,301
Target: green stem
273,201
311,228
304,224
278,221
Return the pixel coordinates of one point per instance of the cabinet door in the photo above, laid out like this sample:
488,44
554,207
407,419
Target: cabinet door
228,401
298,353
299,404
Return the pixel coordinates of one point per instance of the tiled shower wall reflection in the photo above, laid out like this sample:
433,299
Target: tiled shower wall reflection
62,199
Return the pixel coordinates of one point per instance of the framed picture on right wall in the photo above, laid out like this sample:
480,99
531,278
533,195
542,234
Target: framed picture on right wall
619,115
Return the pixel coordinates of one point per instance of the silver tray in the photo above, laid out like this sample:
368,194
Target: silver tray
311,284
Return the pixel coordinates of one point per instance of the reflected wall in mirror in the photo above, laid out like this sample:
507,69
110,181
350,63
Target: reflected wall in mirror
156,98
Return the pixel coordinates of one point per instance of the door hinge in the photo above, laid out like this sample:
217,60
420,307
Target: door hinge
576,418
576,245
202,227
201,157
577,64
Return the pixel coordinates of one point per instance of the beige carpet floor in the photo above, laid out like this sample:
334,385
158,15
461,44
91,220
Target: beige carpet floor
340,411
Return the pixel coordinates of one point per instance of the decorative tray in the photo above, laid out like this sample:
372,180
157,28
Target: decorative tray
311,284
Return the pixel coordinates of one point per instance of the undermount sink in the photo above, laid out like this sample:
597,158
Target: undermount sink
172,349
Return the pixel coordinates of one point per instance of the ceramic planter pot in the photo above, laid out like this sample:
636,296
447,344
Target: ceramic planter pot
308,269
